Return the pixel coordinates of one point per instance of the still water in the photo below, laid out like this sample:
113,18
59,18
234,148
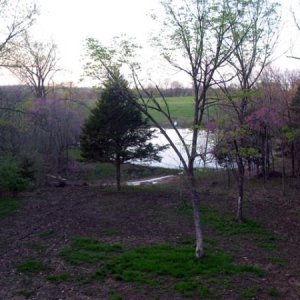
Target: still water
169,157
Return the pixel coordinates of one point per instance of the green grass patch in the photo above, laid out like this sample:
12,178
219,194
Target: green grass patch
179,262
83,243
146,264
184,210
186,240
276,260
86,250
153,265
38,248
81,257
191,241
267,246
57,279
266,241
250,293
114,296
8,207
193,287
75,154
226,226
105,170
47,234
99,171
31,266
273,292
25,293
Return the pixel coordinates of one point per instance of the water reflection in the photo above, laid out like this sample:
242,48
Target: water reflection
169,157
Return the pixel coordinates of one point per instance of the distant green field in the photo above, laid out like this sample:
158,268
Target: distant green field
182,111
181,108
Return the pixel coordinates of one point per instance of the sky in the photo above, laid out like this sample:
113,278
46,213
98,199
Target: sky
68,23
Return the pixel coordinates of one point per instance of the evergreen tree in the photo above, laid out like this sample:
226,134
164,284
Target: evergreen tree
116,131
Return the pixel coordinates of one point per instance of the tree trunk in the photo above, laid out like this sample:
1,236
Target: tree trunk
263,158
241,179
272,158
118,173
293,158
240,204
268,158
228,178
282,170
257,168
199,251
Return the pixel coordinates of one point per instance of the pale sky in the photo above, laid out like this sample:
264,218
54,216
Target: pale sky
68,23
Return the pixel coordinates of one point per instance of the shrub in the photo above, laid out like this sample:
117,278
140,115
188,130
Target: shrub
27,170
11,179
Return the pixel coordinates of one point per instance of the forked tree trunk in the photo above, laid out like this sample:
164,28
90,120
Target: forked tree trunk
199,251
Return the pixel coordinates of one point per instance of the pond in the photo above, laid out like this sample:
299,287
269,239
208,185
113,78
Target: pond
169,157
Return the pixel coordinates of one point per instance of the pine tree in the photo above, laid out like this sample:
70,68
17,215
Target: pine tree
116,131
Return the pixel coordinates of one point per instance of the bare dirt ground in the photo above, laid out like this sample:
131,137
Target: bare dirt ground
50,217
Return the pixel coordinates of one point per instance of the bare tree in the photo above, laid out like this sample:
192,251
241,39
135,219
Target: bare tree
297,23
196,39
55,127
14,20
259,24
35,64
